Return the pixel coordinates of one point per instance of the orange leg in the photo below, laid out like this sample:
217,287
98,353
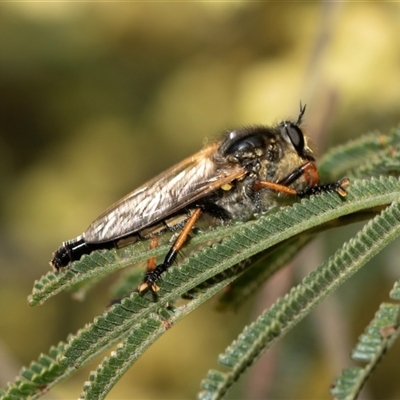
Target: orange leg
277,187
153,275
151,262
311,176
308,170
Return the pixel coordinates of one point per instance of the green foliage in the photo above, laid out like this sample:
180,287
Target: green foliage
269,242
378,337
290,310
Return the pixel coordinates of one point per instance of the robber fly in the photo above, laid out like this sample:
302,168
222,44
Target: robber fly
235,178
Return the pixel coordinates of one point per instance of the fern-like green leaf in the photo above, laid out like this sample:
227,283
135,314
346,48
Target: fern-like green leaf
371,347
395,292
138,340
345,160
263,266
287,312
38,377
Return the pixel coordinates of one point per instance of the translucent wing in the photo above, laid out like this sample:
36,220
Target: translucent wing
165,194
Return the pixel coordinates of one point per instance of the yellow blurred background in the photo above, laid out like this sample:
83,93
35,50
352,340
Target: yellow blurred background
96,98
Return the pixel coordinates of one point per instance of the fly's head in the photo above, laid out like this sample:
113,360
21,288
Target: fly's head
269,153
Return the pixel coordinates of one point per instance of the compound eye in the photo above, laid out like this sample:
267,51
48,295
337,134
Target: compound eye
296,136
245,146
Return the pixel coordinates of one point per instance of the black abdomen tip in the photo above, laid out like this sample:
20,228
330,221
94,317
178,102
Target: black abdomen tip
69,251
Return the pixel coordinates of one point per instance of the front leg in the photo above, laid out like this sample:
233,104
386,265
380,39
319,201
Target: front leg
310,173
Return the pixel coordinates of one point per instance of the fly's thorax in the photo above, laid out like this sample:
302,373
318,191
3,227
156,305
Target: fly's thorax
241,146
239,202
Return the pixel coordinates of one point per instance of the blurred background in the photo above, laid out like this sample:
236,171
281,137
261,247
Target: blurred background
97,98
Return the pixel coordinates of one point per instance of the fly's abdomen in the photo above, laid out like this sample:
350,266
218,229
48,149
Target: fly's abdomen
74,249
